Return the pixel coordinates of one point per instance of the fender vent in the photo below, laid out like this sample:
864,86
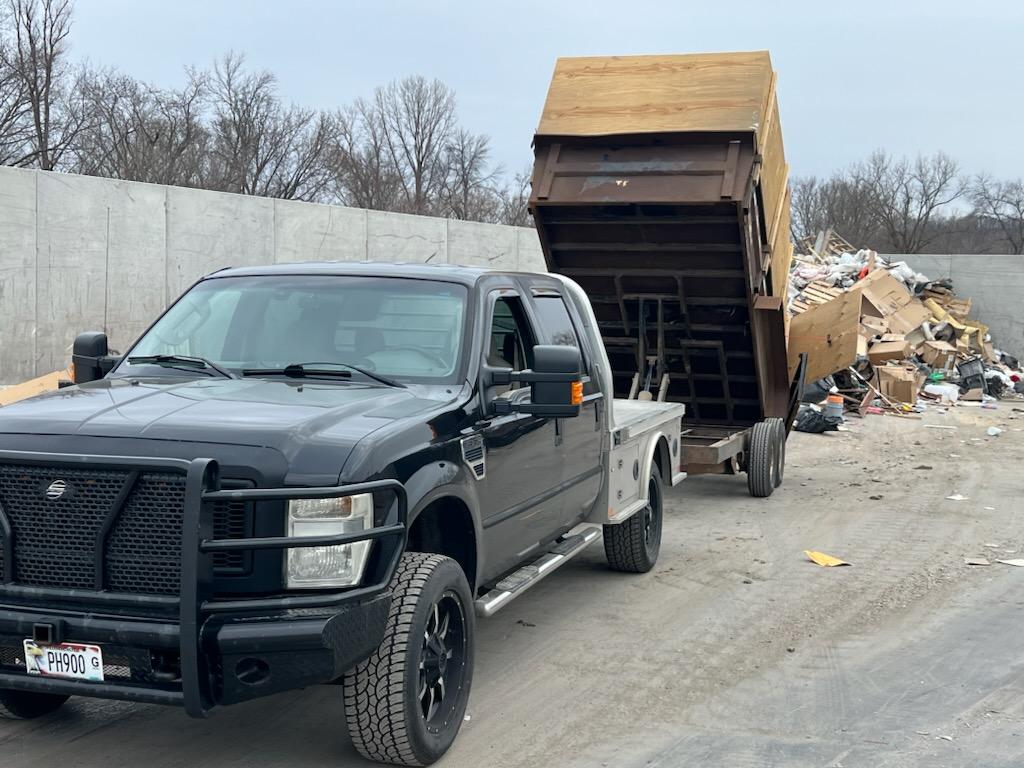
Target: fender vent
473,455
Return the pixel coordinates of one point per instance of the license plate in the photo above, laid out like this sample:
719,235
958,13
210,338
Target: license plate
74,661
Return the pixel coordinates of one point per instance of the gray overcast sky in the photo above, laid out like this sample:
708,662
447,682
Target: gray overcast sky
853,75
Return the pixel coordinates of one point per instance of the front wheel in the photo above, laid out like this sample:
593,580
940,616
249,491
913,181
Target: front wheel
404,705
633,546
28,705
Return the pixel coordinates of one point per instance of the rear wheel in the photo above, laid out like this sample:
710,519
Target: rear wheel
780,448
404,705
28,705
633,546
762,459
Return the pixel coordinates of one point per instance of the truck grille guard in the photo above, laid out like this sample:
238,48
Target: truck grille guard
196,603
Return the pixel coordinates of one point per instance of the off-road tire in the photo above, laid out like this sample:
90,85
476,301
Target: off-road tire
780,448
761,459
28,705
382,694
633,546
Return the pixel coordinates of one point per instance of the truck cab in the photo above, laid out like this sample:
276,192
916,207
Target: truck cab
317,473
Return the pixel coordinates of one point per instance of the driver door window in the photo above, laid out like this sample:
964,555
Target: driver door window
511,340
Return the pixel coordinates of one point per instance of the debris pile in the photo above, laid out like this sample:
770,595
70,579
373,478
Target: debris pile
888,339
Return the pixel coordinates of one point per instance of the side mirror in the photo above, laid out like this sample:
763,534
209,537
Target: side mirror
90,356
555,386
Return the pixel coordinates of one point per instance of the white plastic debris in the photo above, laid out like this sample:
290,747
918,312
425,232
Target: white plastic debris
993,431
957,497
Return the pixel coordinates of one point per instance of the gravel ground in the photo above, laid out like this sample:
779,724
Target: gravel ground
735,651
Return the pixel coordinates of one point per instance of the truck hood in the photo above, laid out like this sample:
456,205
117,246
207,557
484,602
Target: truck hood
290,416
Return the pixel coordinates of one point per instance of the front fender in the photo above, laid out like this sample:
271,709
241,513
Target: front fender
446,479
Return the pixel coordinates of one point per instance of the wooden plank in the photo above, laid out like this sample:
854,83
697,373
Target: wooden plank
605,95
33,387
828,334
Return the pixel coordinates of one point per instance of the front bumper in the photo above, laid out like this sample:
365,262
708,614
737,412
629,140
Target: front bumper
196,650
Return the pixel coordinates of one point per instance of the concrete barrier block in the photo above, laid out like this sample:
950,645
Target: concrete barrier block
100,261
312,232
399,237
481,245
530,256
17,274
210,230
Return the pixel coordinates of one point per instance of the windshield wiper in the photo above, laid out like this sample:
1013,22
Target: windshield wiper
182,362
302,370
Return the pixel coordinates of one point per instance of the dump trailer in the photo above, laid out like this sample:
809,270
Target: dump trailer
659,185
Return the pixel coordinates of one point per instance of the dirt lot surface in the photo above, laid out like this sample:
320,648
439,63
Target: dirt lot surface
735,651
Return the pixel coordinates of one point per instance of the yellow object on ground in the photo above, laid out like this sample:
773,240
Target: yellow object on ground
820,558
34,387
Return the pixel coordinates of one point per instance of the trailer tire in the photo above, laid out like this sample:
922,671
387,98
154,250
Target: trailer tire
780,448
28,705
424,661
633,546
761,460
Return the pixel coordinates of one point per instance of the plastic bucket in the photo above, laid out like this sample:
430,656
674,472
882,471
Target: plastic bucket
834,406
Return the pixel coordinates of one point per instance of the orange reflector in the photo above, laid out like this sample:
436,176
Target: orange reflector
577,392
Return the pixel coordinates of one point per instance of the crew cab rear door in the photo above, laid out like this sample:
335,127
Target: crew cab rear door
519,494
579,438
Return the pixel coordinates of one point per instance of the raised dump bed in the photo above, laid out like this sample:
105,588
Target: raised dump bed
659,185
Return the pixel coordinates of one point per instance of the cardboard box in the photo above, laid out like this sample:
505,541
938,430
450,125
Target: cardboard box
899,383
873,326
886,297
888,350
938,354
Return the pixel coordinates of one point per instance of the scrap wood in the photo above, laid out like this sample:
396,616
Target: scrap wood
896,409
825,561
33,387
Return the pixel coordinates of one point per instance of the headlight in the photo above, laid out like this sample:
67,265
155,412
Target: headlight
338,566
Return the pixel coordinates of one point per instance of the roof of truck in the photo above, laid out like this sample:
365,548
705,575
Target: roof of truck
448,272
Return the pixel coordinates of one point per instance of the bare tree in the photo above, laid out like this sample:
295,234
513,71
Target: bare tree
1001,203
417,118
142,133
362,172
467,192
910,196
261,147
842,203
15,123
514,199
38,58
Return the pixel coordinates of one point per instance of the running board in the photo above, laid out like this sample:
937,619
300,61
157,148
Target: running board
517,582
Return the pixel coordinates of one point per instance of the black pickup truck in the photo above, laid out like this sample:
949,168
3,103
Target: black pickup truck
316,473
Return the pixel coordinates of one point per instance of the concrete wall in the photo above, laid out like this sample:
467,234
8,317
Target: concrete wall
995,283
81,253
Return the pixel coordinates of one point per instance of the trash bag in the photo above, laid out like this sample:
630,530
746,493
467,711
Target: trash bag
1009,361
1019,387
812,420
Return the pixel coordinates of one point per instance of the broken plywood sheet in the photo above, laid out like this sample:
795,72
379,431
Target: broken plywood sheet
607,95
828,334
34,387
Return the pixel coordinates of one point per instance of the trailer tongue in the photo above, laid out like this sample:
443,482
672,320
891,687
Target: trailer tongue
659,185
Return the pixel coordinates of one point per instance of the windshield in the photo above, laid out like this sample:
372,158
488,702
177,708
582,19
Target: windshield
397,327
